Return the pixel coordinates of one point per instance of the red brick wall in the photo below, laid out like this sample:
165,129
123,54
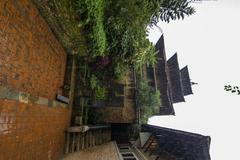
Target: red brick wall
31,59
31,132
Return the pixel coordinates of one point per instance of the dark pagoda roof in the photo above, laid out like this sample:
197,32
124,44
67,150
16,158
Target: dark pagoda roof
181,144
160,48
162,83
186,82
175,80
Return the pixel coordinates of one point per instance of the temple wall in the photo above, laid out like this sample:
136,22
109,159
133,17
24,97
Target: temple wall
126,113
32,67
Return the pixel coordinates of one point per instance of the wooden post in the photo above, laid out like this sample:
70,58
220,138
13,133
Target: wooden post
78,141
82,140
101,136
86,140
67,143
90,139
94,138
73,142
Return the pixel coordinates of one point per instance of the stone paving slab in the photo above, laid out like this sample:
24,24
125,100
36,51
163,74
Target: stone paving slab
106,151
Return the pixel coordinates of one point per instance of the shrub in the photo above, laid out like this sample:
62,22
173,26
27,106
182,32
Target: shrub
148,99
97,39
62,18
146,95
119,71
91,13
146,113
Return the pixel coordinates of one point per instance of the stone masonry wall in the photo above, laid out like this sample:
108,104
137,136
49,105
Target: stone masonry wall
31,59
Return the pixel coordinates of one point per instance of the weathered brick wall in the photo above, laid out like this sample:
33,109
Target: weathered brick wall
31,132
31,59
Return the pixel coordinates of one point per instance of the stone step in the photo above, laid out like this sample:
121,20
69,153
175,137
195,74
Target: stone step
76,141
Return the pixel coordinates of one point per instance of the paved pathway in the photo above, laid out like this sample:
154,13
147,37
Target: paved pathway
102,152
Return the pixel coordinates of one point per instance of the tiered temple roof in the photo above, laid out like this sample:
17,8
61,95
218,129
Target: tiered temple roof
175,80
181,144
186,82
166,76
162,82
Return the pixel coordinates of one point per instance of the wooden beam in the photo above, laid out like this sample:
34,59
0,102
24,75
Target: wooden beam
147,141
150,143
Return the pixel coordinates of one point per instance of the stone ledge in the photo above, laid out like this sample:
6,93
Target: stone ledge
11,94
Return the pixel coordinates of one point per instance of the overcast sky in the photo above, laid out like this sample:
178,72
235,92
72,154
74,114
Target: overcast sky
209,43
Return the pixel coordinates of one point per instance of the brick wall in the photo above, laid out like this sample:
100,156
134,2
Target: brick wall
31,132
31,59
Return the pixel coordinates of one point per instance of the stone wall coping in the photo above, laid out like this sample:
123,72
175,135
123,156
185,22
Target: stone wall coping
11,94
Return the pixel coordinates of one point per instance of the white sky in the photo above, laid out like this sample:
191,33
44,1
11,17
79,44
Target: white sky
209,43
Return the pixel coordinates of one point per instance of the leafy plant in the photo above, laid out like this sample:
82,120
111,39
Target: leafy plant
92,14
119,71
127,34
100,93
175,9
232,89
148,99
62,18
146,113
93,81
110,28
146,95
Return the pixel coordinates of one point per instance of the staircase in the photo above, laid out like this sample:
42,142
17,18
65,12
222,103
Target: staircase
78,138
152,151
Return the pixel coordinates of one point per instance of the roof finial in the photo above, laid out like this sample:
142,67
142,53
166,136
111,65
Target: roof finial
194,83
